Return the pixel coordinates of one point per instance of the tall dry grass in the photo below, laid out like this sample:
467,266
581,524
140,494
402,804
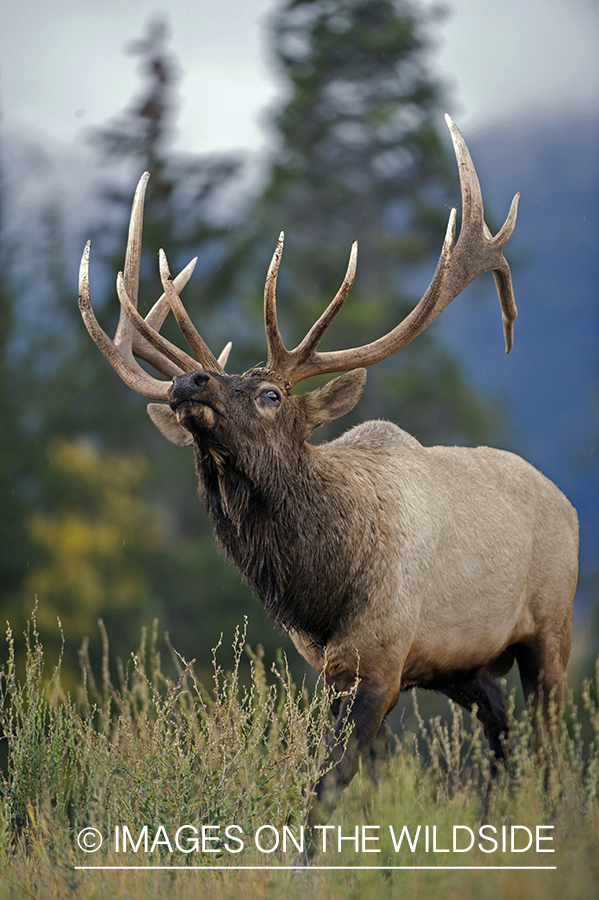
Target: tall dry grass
152,754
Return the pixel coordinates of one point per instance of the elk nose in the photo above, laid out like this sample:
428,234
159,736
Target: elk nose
199,379
187,386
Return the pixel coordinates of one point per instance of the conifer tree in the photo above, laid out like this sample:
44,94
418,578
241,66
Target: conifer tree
356,155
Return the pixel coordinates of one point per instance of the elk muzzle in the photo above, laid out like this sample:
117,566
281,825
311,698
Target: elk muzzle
191,398
186,387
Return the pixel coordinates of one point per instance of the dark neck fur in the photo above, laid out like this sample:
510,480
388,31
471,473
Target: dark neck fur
285,528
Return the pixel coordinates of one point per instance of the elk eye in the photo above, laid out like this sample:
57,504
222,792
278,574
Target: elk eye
271,397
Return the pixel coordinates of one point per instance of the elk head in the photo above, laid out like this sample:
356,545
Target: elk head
216,408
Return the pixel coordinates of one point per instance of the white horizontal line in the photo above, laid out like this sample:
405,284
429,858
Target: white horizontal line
308,868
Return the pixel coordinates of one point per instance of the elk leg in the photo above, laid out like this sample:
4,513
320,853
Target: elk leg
366,711
542,677
380,748
480,689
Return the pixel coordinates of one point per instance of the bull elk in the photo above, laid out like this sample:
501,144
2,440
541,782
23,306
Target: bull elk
433,567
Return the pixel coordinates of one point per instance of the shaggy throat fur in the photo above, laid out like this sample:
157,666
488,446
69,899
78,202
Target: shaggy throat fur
280,534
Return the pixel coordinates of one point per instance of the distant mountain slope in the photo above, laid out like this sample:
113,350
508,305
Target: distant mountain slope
551,377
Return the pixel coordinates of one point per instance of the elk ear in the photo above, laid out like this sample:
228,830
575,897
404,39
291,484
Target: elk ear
334,399
165,421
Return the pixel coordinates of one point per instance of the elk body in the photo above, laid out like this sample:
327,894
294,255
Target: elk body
404,565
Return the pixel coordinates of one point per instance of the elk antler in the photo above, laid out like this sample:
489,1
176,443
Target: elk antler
139,337
475,252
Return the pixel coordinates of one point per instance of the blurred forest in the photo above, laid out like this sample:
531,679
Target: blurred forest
100,516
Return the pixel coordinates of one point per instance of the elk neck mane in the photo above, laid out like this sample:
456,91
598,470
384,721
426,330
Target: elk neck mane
283,520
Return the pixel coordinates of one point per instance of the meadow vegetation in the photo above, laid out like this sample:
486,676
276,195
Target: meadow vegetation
138,755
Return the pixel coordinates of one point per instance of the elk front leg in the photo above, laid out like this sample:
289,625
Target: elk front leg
364,711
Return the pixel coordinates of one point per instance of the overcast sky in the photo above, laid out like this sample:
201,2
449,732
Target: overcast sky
63,68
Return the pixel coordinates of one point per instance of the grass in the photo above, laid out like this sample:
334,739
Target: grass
236,765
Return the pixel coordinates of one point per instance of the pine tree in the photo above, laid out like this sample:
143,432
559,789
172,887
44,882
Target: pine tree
75,534
184,190
356,155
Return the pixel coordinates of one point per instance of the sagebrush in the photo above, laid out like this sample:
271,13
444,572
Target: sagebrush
151,752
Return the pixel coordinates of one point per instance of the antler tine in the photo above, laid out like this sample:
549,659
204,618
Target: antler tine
481,248
162,307
155,319
125,330
181,359
119,352
278,356
140,337
190,333
120,356
224,355
476,251
314,336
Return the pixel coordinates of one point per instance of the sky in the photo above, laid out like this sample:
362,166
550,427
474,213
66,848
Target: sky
63,68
